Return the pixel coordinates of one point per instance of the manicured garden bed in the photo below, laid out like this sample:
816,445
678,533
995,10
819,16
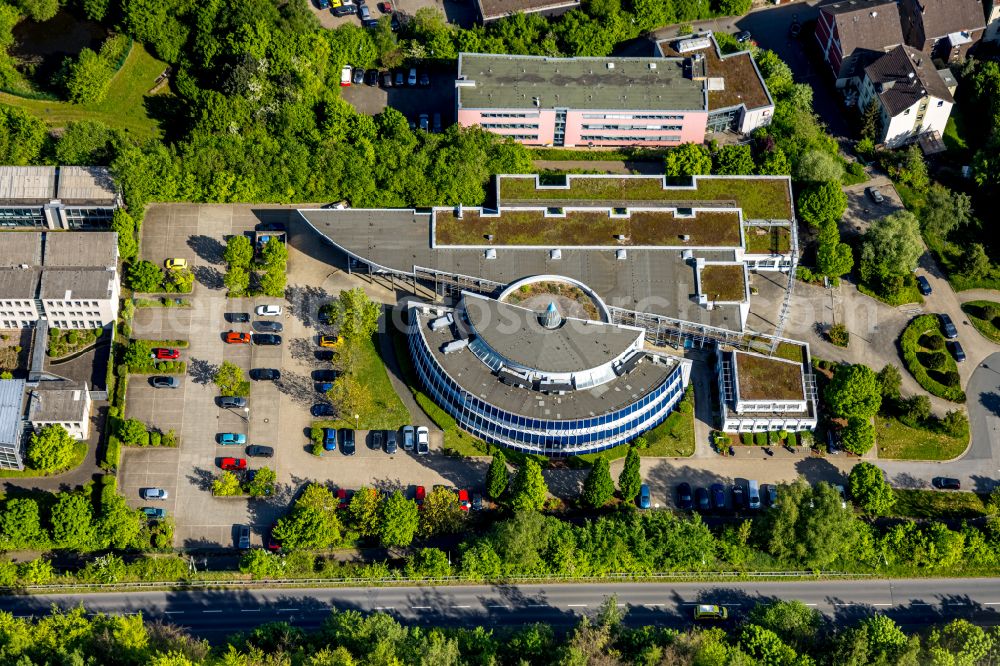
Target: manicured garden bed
923,346
66,342
979,312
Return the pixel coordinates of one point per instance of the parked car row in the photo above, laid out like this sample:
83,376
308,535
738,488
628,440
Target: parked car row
951,333
413,439
749,496
385,78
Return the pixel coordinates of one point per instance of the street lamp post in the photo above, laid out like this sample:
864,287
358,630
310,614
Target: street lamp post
357,420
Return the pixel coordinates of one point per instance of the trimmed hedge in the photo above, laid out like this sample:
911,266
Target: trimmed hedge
912,343
980,315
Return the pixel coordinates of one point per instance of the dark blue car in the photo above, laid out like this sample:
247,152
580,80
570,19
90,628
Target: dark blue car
923,285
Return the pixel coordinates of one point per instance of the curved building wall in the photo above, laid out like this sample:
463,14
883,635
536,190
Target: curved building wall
546,436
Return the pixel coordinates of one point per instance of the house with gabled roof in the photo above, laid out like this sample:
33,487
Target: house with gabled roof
943,29
852,33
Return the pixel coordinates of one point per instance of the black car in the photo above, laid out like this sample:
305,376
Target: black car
477,502
346,436
359,76
267,326
739,498
323,355
702,500
718,496
684,499
399,78
272,226
948,326
386,79
238,317
377,439
230,401
390,442
395,25
324,375
923,285
743,36
946,483
344,10
266,339
257,451
371,77
955,347
425,79
322,409
265,374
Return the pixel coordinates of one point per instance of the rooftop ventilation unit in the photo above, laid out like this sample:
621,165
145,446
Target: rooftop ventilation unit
694,44
687,255
685,237
621,255
620,237
611,65
441,322
490,253
555,255
652,65
454,346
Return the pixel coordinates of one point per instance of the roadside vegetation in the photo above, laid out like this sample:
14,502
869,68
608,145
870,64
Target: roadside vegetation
985,316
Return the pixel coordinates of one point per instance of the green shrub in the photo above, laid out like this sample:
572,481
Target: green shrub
154,438
112,454
932,341
805,274
931,361
746,438
911,346
839,335
760,438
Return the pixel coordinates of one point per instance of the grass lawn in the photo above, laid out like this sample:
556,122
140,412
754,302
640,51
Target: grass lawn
79,453
760,198
723,282
124,107
767,240
987,327
386,410
899,441
938,504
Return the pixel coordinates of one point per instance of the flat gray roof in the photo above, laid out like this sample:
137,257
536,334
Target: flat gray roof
19,282
513,82
516,334
81,249
27,184
76,283
83,185
654,281
20,247
11,411
68,405
474,376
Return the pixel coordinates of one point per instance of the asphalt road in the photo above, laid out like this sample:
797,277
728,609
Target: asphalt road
213,614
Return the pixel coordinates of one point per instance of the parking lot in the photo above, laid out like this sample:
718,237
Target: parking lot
458,12
278,412
411,101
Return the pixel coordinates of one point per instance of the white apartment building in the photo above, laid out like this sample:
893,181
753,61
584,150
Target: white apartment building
760,393
48,197
68,407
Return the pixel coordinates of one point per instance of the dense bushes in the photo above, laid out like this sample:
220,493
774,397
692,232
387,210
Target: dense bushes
63,342
943,380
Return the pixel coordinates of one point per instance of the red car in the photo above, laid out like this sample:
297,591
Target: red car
236,338
463,500
385,7
233,464
270,542
419,497
344,498
164,354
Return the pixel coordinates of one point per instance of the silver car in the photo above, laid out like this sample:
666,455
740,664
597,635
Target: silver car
153,494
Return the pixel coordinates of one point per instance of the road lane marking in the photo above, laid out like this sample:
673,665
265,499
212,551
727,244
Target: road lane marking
249,610
881,604
538,605
287,610
576,605
507,607
459,606
991,603
173,612
810,604
211,611
378,608
420,608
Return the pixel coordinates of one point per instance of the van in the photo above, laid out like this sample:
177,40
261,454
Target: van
753,495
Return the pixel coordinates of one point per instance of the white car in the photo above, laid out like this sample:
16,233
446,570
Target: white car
268,310
345,75
423,443
153,494
408,438
411,80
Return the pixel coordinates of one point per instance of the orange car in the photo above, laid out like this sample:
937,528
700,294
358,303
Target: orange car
237,338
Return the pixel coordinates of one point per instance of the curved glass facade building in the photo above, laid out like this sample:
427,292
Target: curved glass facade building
516,378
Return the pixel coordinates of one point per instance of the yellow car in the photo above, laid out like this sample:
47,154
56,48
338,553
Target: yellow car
710,612
329,341
176,264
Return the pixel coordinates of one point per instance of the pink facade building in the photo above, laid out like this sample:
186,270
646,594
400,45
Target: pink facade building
659,101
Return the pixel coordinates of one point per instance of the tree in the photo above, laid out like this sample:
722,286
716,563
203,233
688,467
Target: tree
239,252
892,246
364,510
871,121
355,314
349,396
123,224
261,563
72,522
231,380
21,525
688,159
226,485
869,489
312,522
262,483
733,7
119,525
774,163
274,255
400,518
40,10
833,258
145,276
765,646
912,171
945,211
87,78
529,489
889,382
859,435
598,488
809,526
817,166
734,160
237,281
132,432
822,203
441,513
497,476
630,479
960,643
50,449
793,622
137,354
428,563
853,391
975,261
